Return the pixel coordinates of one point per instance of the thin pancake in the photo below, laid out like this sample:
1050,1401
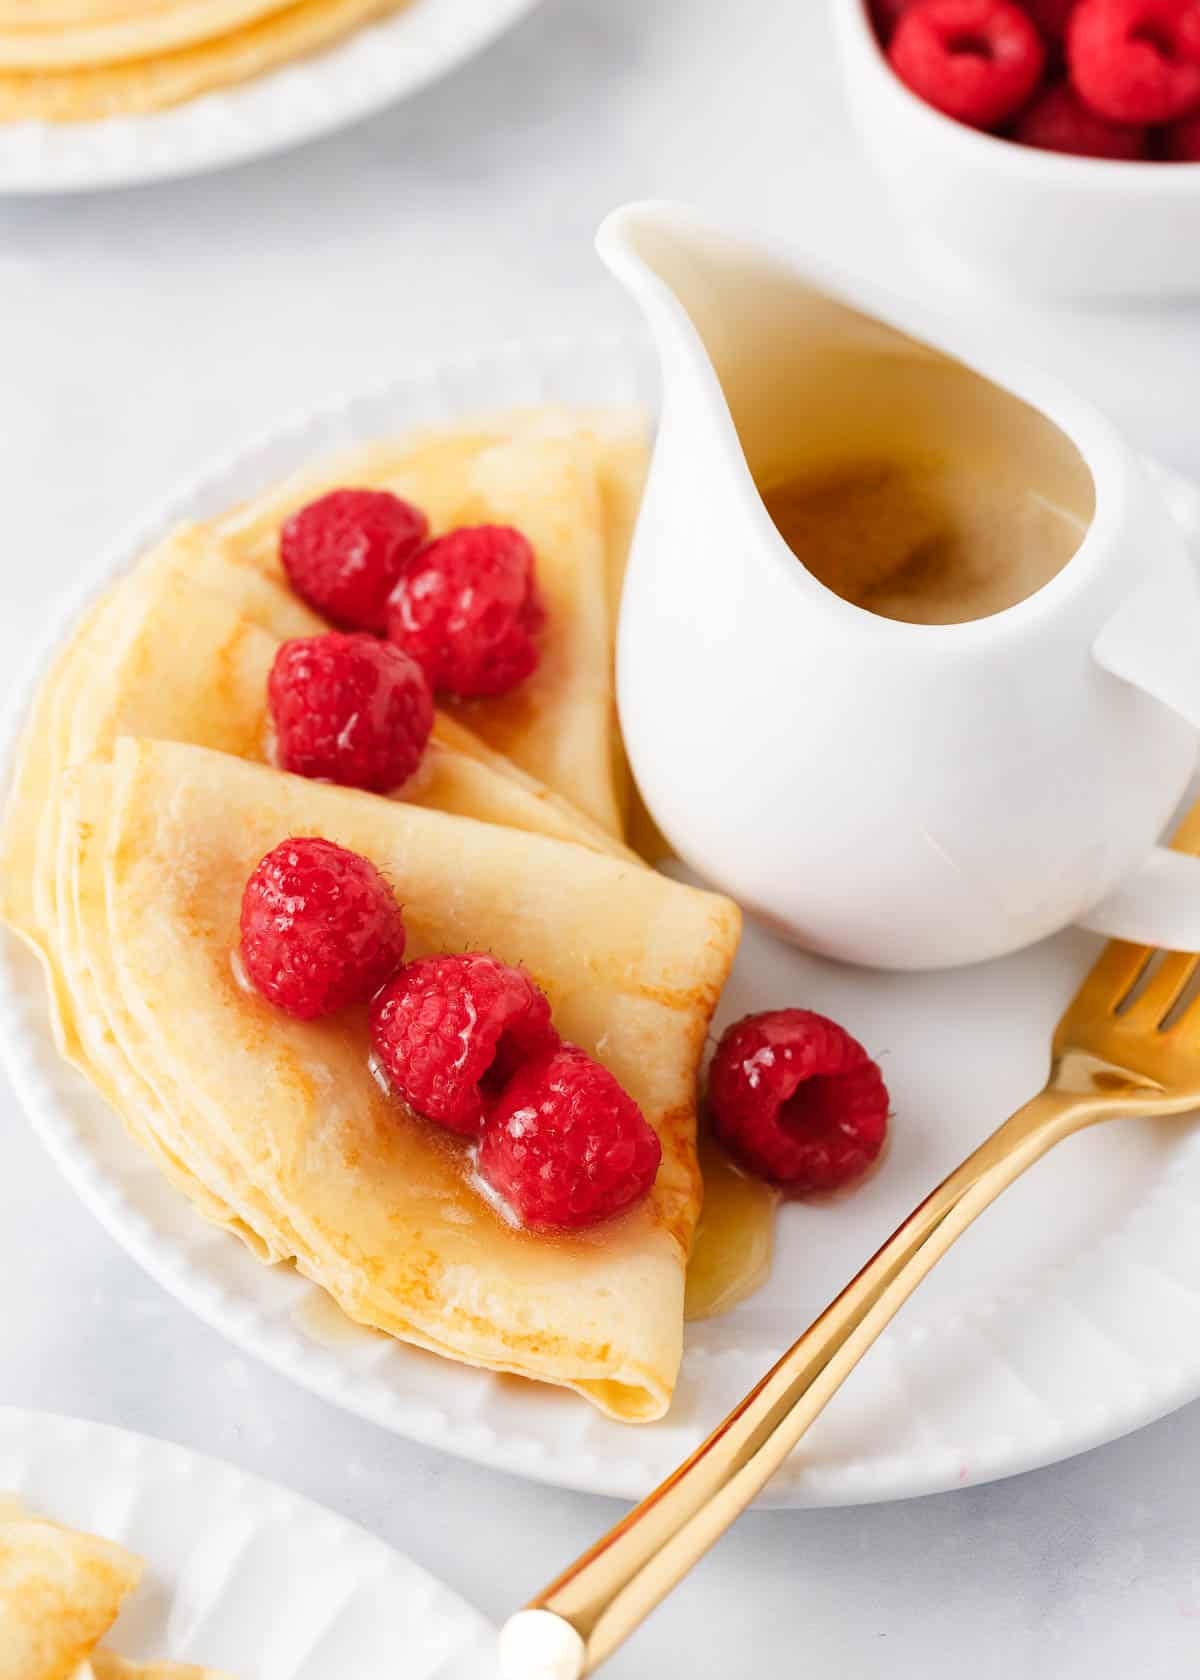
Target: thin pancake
141,662
617,439
215,643
150,84
569,488
618,442
189,552
101,633
106,1666
52,35
189,667
375,1200
561,723
60,1593
91,1043
29,806
163,655
179,662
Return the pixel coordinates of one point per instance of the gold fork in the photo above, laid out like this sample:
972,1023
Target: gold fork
1129,1043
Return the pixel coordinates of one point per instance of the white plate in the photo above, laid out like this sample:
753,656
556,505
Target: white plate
1068,1316
240,1574
311,96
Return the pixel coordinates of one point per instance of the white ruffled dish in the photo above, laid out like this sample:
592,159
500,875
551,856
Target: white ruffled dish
241,1575
1069,1315
312,96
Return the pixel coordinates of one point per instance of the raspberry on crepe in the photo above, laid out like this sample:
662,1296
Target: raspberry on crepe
564,1146
537,663
320,928
349,709
148,796
468,610
345,552
277,1127
451,1031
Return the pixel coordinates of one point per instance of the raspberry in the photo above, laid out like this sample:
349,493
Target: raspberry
451,1031
1059,121
1051,16
565,1145
886,14
976,60
1182,141
320,928
797,1100
1136,61
349,709
468,609
345,552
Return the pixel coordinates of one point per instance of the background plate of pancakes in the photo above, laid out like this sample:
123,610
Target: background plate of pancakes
103,93
1054,1327
239,1576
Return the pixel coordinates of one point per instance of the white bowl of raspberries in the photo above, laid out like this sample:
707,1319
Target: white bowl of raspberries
1051,144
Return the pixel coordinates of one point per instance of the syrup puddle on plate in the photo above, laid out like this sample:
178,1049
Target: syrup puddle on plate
735,1239
323,1321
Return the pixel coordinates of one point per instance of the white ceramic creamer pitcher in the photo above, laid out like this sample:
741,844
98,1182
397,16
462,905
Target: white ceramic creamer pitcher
905,795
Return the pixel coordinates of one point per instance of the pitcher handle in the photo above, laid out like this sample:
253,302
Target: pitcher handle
1153,642
1153,639
1159,904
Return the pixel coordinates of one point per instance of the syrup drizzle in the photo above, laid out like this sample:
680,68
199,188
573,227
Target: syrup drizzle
735,1239
241,979
731,1254
323,1321
379,1073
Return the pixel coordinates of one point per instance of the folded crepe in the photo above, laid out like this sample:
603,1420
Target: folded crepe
120,856
73,34
106,1666
278,1125
60,1593
164,655
572,489
163,57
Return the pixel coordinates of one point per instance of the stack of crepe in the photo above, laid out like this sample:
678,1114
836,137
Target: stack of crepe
79,60
143,799
60,1594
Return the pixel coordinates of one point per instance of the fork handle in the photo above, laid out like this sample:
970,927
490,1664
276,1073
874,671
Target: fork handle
604,1596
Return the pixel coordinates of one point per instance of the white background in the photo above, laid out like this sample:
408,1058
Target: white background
140,332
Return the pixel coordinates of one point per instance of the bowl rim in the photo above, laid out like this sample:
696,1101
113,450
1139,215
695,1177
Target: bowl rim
994,151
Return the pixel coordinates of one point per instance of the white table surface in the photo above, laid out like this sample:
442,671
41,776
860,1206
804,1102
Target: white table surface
142,331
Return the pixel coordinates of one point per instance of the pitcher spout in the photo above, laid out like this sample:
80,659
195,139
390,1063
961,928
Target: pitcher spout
662,256
761,347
